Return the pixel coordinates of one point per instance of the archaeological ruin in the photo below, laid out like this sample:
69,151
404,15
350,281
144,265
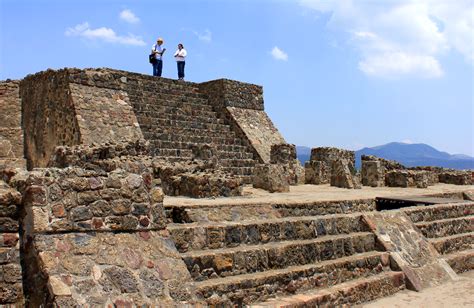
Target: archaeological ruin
120,189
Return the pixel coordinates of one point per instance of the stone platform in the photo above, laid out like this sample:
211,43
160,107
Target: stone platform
320,193
312,246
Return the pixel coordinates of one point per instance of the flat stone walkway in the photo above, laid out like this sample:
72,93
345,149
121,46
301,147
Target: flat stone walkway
449,295
312,193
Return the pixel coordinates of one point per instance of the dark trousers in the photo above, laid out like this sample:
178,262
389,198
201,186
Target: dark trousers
181,69
157,67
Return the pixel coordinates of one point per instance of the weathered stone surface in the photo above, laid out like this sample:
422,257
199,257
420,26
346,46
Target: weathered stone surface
11,289
409,249
74,199
104,268
11,135
56,111
343,174
90,156
285,154
407,178
319,167
315,172
282,153
386,164
197,179
271,177
456,177
372,173
257,128
231,93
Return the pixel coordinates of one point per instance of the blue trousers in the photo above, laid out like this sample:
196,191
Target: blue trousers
157,67
181,69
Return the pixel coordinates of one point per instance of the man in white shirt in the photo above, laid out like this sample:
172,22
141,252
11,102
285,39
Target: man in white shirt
157,51
180,56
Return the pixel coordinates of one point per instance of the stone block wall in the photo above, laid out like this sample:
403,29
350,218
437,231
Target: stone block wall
97,238
11,289
285,154
48,116
11,135
271,177
243,106
372,173
407,178
196,179
57,109
456,177
343,174
231,93
321,173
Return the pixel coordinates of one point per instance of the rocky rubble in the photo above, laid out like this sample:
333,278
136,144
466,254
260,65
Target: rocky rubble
197,179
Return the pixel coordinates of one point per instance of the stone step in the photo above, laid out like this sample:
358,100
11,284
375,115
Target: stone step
185,109
256,211
453,243
446,227
154,118
234,155
166,125
176,93
182,154
244,171
236,163
186,145
212,235
342,295
144,103
208,137
325,207
208,264
461,261
162,89
250,288
439,211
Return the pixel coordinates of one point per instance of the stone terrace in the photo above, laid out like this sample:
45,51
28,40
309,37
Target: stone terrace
307,247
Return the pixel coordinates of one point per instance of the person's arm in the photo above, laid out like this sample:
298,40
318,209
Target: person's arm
183,53
176,54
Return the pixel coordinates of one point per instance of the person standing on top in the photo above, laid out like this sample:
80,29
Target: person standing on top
180,56
158,51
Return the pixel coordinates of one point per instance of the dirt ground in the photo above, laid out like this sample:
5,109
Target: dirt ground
449,295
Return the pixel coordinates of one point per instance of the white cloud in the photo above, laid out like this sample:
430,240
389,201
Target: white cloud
103,34
403,37
205,37
129,17
407,141
279,54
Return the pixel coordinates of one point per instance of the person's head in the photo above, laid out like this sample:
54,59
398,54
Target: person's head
180,46
159,41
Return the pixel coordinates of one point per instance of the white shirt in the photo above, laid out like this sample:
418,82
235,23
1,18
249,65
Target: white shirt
180,55
157,48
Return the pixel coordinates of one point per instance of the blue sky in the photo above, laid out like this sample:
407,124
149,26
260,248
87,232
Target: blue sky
340,73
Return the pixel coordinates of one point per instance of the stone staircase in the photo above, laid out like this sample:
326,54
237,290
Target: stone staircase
281,257
450,228
174,116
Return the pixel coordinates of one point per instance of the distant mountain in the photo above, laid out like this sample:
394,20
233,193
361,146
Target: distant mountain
417,154
410,155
